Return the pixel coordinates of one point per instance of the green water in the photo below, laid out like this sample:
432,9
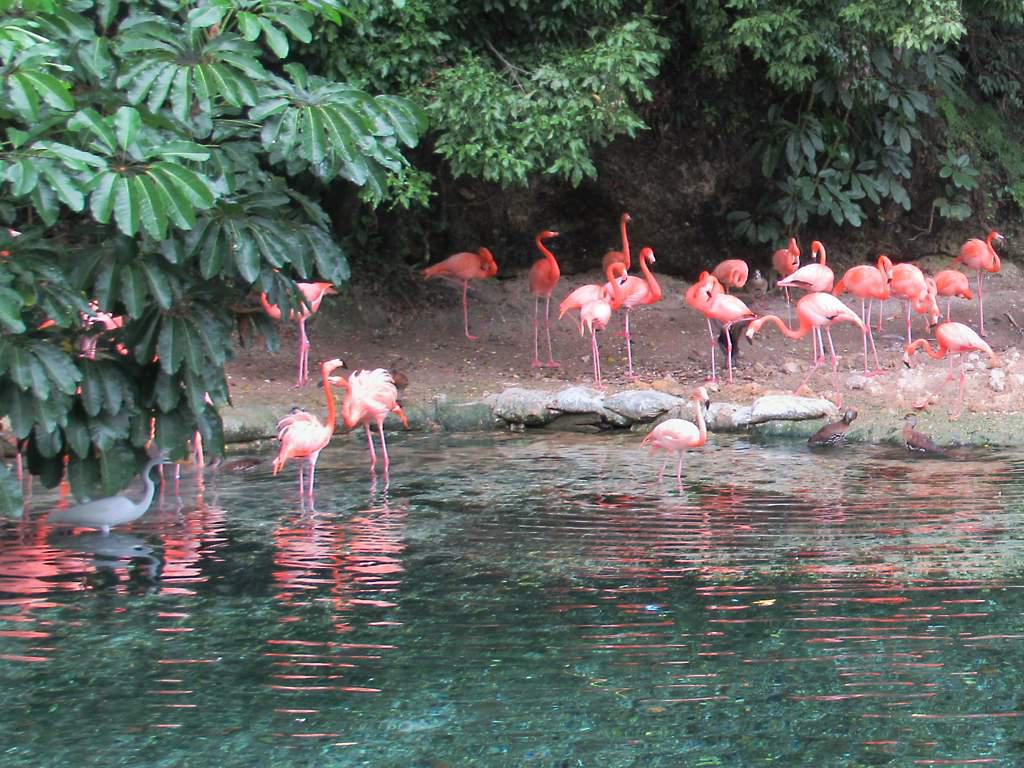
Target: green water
536,601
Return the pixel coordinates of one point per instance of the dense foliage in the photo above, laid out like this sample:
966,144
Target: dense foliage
160,161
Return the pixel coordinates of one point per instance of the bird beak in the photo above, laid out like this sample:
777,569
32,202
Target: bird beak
906,361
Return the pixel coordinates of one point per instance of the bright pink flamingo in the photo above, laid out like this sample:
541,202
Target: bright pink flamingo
698,296
952,339
636,292
302,436
950,283
868,283
313,294
910,283
786,261
585,294
680,435
731,273
727,310
372,395
980,255
465,266
811,277
815,311
621,257
544,276
596,313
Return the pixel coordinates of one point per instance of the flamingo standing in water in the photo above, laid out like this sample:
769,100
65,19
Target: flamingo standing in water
815,311
372,395
910,283
635,292
465,266
680,435
620,257
950,283
301,434
544,276
980,255
731,273
868,283
596,312
952,339
313,294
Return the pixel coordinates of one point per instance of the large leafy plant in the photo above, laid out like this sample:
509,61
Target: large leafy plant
151,155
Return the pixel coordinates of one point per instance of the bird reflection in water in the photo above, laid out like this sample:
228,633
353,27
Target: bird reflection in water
112,553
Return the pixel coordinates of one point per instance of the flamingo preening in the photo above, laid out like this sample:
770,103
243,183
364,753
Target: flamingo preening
313,294
981,255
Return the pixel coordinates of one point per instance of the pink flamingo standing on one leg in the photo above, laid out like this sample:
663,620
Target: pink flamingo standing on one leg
465,266
868,283
544,275
980,255
636,292
786,261
313,293
952,339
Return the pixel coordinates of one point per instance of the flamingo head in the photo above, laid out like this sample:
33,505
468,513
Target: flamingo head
626,219
700,395
546,234
818,249
885,265
908,357
330,366
647,254
487,262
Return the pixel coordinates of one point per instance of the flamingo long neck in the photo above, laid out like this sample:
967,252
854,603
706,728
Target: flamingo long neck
270,309
799,333
552,262
332,412
819,249
885,267
625,241
988,240
937,353
652,284
615,271
702,428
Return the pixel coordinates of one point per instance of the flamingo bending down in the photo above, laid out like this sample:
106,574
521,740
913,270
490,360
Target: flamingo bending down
312,294
868,283
619,257
302,436
980,255
635,292
372,395
950,283
544,275
731,273
465,266
952,339
910,283
815,311
679,435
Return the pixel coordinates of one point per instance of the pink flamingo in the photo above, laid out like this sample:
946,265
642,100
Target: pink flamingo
731,273
952,339
621,257
680,435
699,296
868,283
727,310
811,277
302,436
596,313
544,275
950,283
465,266
980,255
815,311
786,261
585,294
313,294
372,395
910,283
636,292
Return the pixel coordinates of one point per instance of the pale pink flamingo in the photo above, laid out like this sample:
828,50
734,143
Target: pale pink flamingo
636,292
868,283
302,436
727,310
543,278
980,255
463,267
811,277
596,313
815,311
621,257
910,283
698,296
585,294
731,273
950,283
786,261
372,395
313,294
679,435
952,339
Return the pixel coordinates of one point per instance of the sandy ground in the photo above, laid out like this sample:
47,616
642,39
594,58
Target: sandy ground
422,337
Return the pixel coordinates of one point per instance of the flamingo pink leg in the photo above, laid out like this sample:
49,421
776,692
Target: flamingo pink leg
869,335
369,441
303,354
383,444
536,333
679,470
629,348
981,307
728,356
596,356
465,309
714,343
552,363
909,339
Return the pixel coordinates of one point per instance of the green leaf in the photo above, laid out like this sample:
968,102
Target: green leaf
127,122
204,17
58,366
23,177
249,25
276,39
76,432
126,206
101,201
170,346
159,285
189,182
90,120
247,257
133,289
66,188
55,92
10,310
23,97
151,207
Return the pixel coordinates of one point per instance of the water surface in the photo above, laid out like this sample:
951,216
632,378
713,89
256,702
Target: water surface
531,600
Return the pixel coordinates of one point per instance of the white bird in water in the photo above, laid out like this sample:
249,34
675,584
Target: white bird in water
107,512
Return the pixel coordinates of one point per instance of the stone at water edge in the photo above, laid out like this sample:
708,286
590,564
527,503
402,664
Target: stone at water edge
577,400
790,408
522,406
641,404
997,380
